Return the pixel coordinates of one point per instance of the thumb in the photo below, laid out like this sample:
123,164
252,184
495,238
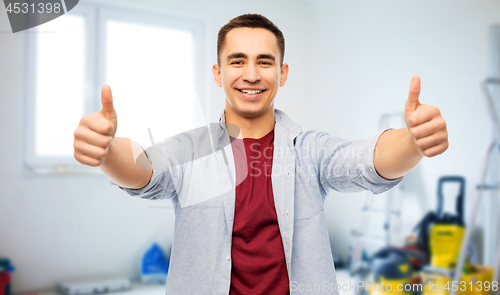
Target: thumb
108,111
412,102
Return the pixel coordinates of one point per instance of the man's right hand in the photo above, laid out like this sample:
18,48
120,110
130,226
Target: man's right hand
95,132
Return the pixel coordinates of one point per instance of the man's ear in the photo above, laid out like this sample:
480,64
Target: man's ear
216,71
284,74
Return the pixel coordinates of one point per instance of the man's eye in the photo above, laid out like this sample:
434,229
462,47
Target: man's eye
265,63
236,63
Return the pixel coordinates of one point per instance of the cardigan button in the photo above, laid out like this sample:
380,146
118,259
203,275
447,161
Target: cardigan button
228,257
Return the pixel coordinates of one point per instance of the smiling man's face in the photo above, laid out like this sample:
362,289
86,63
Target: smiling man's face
250,71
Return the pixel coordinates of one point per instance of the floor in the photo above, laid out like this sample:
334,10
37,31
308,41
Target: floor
346,282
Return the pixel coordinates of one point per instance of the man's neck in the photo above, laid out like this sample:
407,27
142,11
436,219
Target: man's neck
251,127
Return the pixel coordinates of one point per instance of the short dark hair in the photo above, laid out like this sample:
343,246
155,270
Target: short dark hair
250,21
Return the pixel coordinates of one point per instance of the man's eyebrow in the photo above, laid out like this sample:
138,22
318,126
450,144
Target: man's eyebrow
242,55
266,56
236,55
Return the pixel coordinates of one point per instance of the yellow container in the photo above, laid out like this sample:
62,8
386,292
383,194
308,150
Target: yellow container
445,244
478,282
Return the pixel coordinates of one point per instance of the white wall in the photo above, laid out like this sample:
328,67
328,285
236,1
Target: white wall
350,62
362,55
59,227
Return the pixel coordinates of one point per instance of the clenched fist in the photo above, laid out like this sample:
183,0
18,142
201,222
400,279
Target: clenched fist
425,123
95,132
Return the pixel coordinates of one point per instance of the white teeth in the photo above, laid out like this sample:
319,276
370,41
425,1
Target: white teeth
249,91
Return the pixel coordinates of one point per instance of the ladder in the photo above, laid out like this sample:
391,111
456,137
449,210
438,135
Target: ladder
484,186
392,210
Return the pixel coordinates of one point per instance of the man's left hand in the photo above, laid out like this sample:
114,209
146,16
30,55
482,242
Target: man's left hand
425,123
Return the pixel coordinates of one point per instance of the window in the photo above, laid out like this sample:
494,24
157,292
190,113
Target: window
151,61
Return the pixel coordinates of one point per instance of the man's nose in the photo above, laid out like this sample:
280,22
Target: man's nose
251,73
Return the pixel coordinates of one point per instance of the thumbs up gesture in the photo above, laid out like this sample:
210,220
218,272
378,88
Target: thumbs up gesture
425,123
95,132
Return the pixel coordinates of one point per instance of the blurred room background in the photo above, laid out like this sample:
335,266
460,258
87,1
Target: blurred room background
350,64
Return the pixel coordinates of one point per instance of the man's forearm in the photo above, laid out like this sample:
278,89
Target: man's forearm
120,164
395,153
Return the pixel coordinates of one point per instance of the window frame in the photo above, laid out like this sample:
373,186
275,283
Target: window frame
96,15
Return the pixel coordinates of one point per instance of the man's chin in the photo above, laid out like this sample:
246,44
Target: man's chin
250,113
249,110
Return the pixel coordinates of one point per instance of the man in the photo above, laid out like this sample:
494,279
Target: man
239,228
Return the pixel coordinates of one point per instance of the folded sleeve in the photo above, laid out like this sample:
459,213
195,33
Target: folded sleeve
347,165
166,172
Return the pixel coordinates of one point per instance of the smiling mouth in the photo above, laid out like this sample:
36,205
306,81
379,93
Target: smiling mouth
251,91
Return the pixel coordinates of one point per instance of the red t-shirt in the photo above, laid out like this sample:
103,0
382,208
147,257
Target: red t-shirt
258,258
